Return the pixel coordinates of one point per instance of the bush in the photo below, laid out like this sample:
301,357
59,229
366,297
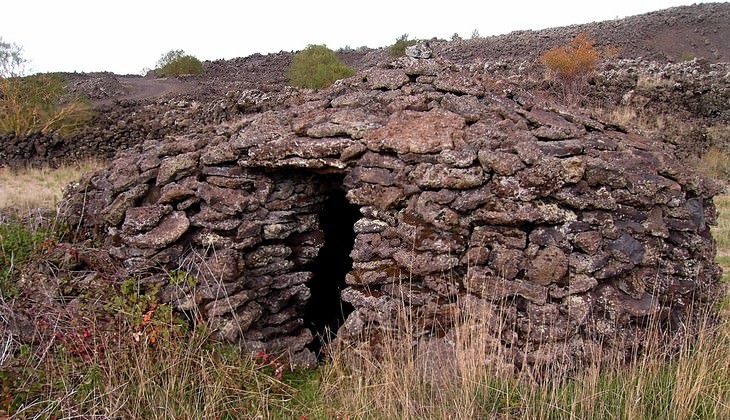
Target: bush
176,62
38,103
11,59
572,63
317,67
399,48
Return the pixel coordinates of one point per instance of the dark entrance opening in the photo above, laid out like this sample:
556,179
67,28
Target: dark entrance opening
325,312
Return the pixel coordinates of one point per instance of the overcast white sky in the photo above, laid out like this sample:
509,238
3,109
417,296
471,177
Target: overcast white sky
128,35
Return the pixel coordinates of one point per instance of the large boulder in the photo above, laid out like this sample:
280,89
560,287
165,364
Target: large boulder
571,238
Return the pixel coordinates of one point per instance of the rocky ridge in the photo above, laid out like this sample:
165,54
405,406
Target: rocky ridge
567,234
670,35
695,93
232,88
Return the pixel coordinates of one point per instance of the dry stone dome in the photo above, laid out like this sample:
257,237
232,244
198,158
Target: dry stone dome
421,187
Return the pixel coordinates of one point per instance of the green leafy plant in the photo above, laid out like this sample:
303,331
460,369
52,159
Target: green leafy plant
399,48
176,62
317,67
39,104
17,245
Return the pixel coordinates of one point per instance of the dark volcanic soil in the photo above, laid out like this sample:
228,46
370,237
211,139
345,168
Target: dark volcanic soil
141,88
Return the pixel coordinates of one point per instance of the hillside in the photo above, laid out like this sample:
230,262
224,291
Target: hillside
653,46
670,35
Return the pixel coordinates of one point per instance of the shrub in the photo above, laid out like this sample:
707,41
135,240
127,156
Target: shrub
316,67
38,103
572,63
399,48
175,63
11,59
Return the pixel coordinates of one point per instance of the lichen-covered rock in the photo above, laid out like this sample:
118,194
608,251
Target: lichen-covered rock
169,229
566,230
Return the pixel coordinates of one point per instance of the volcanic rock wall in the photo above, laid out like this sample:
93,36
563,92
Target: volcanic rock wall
568,234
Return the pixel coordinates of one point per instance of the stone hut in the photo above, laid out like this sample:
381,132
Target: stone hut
421,188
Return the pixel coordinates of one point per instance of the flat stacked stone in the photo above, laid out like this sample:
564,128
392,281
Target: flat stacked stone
569,235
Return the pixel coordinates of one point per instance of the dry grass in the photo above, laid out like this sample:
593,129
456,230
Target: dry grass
25,189
651,82
694,384
129,376
714,163
190,377
630,116
721,231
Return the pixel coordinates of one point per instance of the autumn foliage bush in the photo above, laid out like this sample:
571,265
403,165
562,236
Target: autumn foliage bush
571,64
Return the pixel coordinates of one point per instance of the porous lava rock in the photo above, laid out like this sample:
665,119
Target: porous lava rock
571,238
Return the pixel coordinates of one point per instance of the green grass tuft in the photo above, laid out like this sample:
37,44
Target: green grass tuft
18,243
398,49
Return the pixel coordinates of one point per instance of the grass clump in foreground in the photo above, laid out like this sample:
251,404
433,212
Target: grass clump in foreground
317,67
185,375
692,384
91,371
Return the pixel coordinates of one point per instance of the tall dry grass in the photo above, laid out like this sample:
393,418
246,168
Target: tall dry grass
721,231
22,190
692,384
191,377
40,104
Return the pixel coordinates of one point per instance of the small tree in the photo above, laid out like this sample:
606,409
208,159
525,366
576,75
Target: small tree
12,62
37,103
572,63
176,62
317,67
399,48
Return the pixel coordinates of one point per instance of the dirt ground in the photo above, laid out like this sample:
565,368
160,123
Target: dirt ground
141,88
